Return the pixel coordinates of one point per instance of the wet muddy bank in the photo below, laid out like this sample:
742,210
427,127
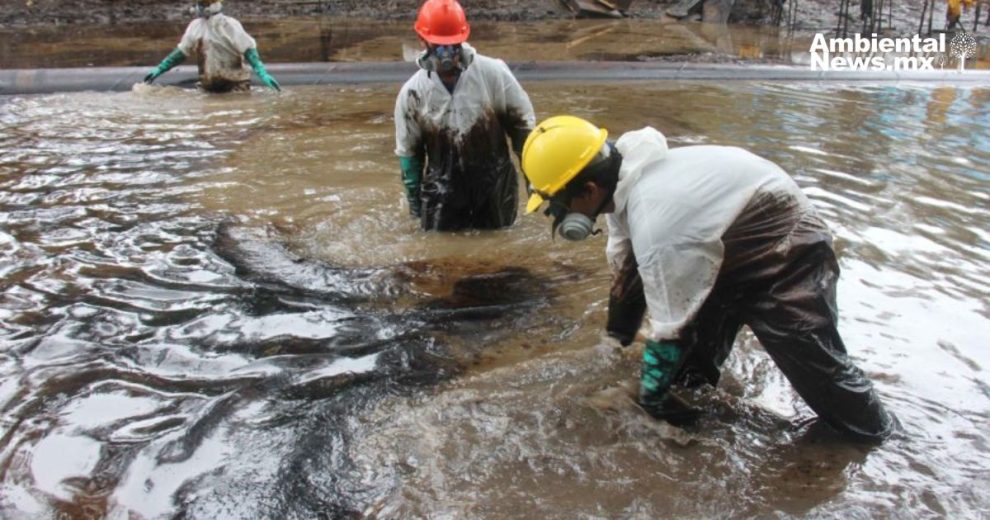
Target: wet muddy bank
811,15
25,12
335,40
307,39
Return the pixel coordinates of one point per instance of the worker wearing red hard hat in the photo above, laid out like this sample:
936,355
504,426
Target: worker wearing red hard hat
452,118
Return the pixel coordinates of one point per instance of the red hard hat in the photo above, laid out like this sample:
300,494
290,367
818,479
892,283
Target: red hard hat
442,22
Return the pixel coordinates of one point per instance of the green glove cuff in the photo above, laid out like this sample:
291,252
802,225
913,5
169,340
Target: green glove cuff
661,359
252,57
412,174
174,58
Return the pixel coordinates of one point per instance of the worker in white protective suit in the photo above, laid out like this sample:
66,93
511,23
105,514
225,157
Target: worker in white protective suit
222,47
708,239
452,120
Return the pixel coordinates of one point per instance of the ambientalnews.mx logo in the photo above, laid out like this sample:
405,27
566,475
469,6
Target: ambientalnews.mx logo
859,53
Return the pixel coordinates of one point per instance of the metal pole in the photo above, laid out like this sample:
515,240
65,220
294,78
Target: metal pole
838,21
845,31
878,16
931,13
845,18
921,23
865,9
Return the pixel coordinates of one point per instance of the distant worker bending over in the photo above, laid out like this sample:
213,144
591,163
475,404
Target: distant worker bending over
708,239
222,47
452,119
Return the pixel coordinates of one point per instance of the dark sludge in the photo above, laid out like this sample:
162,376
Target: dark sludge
410,316
442,292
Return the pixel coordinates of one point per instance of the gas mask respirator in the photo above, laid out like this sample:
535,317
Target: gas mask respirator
206,11
572,226
442,59
575,226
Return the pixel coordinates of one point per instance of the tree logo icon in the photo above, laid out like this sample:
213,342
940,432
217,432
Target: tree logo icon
961,47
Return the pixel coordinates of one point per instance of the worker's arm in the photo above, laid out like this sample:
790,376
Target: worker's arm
677,278
188,43
626,301
174,58
252,57
409,145
512,101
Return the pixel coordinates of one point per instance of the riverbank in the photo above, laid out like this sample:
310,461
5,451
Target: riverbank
812,15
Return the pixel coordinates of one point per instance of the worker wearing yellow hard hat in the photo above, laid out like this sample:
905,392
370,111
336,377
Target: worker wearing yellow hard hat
223,48
563,146
706,239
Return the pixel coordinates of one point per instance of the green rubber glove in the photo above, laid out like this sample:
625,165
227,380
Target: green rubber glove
661,361
174,58
252,57
412,172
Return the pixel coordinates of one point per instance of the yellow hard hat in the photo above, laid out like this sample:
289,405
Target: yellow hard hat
555,152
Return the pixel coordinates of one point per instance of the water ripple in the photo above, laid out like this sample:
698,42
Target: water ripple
217,306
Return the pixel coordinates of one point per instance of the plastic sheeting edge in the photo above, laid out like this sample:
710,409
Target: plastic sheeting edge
40,81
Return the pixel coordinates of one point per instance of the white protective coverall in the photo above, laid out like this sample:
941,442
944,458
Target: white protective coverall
672,207
219,43
470,181
724,238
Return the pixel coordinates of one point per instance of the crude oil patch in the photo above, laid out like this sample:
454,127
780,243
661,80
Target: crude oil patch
464,302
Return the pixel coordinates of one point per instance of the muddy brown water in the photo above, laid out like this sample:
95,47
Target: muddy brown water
217,307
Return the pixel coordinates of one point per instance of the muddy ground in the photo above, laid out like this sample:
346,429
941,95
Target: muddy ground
813,15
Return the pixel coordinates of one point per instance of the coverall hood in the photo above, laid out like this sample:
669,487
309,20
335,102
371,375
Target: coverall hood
639,149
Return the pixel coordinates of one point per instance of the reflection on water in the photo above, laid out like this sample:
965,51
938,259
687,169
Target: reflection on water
217,306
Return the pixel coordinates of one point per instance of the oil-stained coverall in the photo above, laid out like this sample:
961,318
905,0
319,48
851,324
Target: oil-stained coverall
222,46
469,179
220,43
711,238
